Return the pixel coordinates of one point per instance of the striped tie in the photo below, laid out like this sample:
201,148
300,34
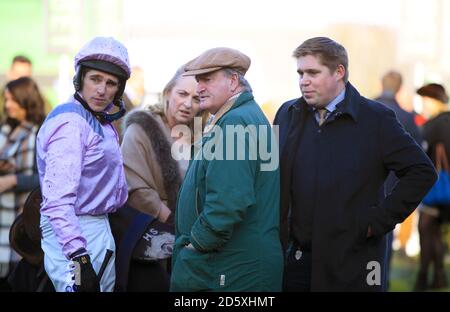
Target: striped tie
322,115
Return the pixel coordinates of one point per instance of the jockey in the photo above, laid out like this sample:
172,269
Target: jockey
81,171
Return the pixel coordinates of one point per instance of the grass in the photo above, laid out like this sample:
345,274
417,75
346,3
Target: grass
404,271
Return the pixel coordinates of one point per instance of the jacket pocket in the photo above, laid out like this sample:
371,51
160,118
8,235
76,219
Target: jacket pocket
362,223
241,270
197,202
192,271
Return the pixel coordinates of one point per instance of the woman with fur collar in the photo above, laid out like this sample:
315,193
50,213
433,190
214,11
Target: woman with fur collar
154,176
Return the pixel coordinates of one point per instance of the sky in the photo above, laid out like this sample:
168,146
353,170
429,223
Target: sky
292,14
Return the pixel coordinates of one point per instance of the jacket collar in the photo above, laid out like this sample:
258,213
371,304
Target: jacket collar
349,106
231,104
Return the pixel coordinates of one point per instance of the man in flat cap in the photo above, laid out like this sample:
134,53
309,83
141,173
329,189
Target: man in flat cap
228,207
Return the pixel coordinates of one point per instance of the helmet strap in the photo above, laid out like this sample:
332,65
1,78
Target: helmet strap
104,117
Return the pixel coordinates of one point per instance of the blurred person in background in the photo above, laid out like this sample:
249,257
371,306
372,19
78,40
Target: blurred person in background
132,96
135,90
21,66
24,109
391,84
435,130
81,171
154,178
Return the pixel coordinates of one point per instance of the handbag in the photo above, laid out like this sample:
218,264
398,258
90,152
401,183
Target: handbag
144,239
440,192
156,243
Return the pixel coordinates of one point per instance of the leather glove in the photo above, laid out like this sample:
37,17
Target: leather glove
86,279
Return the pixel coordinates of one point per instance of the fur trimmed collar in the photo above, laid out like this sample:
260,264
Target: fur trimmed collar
162,148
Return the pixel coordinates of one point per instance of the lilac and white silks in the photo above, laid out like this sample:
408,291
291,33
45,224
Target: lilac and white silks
82,179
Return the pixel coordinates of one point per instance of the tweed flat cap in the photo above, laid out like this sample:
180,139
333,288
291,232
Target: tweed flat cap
218,58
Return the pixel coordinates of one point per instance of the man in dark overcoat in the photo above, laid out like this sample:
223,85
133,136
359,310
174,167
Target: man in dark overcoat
337,149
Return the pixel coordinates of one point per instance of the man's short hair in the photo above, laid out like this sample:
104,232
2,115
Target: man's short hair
392,81
21,59
242,81
330,53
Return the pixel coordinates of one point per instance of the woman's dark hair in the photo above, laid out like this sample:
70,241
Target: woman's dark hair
26,93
